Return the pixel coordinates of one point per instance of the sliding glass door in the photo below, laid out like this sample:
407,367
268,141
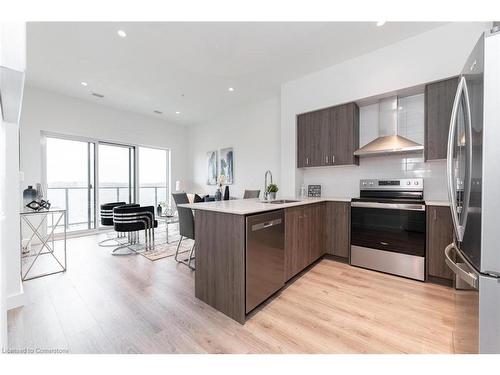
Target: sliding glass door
153,176
116,177
70,180
81,174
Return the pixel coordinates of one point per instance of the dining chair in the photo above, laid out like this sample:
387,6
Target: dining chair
251,194
186,227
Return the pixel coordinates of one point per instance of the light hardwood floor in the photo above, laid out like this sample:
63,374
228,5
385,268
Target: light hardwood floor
107,304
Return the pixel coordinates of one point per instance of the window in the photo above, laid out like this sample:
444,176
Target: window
116,173
70,181
75,167
153,176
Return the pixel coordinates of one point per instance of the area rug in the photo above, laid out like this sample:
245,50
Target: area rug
164,250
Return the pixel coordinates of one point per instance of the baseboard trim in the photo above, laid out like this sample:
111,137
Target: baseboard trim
337,258
440,281
16,300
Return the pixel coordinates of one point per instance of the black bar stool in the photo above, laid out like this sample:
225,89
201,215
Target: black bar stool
107,221
131,219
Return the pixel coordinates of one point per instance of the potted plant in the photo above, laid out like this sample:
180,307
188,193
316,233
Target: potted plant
272,189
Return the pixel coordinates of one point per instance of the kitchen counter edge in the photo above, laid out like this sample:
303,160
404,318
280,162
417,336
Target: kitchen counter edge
252,206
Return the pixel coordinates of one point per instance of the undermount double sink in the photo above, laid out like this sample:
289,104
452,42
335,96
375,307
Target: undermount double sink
280,201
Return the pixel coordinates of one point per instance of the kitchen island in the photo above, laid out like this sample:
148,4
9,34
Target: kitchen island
221,245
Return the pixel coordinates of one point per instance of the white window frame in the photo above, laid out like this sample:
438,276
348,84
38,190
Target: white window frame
96,141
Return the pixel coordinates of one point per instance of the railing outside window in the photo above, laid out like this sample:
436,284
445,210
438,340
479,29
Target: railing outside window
80,212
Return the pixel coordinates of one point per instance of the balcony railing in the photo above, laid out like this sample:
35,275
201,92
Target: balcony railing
79,201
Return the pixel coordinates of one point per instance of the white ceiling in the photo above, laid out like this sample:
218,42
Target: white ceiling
188,67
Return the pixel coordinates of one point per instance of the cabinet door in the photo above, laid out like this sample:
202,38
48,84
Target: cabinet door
325,123
317,138
439,97
439,235
338,228
344,138
304,124
296,241
315,218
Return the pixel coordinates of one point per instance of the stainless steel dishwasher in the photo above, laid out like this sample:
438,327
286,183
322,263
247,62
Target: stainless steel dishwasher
265,256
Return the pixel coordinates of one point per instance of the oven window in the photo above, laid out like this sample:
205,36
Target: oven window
401,231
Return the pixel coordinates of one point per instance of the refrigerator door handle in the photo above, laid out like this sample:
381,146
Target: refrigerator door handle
459,270
468,166
452,197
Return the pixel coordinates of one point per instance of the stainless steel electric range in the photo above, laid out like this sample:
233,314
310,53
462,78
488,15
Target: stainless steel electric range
388,227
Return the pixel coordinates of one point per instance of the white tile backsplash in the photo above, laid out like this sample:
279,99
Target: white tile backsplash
411,117
368,123
344,181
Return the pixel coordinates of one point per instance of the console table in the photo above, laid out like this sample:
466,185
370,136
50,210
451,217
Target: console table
39,231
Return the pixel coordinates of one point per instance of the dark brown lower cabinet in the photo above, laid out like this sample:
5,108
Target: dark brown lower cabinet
439,235
304,237
296,252
338,228
220,262
315,214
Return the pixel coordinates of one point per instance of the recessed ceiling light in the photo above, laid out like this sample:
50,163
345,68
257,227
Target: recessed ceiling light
230,89
177,113
83,83
381,23
122,33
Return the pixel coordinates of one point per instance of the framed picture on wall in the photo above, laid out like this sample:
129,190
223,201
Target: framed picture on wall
227,165
212,168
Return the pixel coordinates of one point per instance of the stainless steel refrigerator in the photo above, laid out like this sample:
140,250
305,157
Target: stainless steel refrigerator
473,172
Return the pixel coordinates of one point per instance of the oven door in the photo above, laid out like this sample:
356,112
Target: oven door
391,227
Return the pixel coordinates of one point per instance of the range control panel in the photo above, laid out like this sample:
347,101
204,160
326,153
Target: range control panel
404,184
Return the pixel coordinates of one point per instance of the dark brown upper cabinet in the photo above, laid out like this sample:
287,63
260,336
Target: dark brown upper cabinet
328,136
304,144
439,97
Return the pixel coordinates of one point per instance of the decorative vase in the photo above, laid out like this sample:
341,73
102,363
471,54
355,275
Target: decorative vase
272,196
159,210
226,193
29,195
218,195
39,192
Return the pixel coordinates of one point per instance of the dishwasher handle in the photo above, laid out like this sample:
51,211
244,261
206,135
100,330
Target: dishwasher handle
266,224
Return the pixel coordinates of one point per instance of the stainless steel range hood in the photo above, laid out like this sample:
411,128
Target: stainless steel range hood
388,140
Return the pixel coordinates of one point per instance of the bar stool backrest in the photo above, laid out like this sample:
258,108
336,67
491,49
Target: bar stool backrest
107,212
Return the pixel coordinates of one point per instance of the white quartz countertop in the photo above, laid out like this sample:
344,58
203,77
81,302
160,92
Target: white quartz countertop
437,203
252,206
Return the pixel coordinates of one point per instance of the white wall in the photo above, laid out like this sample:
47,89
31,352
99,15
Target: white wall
3,241
430,56
254,133
48,111
13,56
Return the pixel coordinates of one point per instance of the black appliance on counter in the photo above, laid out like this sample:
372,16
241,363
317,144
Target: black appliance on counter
388,227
